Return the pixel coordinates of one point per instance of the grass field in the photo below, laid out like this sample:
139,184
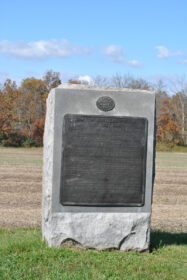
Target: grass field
24,256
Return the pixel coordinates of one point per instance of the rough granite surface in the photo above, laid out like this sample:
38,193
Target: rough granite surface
48,165
122,231
98,230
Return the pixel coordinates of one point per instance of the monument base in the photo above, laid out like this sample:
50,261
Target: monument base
121,231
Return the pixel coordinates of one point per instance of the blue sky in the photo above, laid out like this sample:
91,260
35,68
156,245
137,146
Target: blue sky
144,38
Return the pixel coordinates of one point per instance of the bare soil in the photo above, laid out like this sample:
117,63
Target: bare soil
21,190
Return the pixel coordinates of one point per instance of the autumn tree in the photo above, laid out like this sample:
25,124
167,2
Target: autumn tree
37,130
179,101
22,110
31,102
8,106
51,79
10,134
160,95
102,81
128,81
167,129
179,88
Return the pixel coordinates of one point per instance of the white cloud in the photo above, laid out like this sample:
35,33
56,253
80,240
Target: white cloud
163,52
115,53
86,79
134,63
42,49
183,61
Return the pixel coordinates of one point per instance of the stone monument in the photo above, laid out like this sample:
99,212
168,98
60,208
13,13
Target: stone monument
98,167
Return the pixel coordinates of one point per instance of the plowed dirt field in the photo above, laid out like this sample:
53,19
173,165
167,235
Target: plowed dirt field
21,189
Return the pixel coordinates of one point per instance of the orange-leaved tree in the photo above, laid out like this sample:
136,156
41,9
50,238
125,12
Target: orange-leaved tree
31,102
37,130
167,129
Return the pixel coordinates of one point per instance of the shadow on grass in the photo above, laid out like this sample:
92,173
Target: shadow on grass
160,238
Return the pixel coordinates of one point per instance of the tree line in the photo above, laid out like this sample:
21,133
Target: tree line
22,109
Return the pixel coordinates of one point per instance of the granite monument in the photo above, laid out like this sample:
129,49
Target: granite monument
98,167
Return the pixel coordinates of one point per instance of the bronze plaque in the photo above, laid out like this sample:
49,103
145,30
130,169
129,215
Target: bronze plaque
105,103
103,160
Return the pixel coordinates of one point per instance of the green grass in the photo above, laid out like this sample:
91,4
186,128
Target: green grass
33,157
21,156
24,256
162,147
168,159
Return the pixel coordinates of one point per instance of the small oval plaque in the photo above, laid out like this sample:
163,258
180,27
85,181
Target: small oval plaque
105,103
